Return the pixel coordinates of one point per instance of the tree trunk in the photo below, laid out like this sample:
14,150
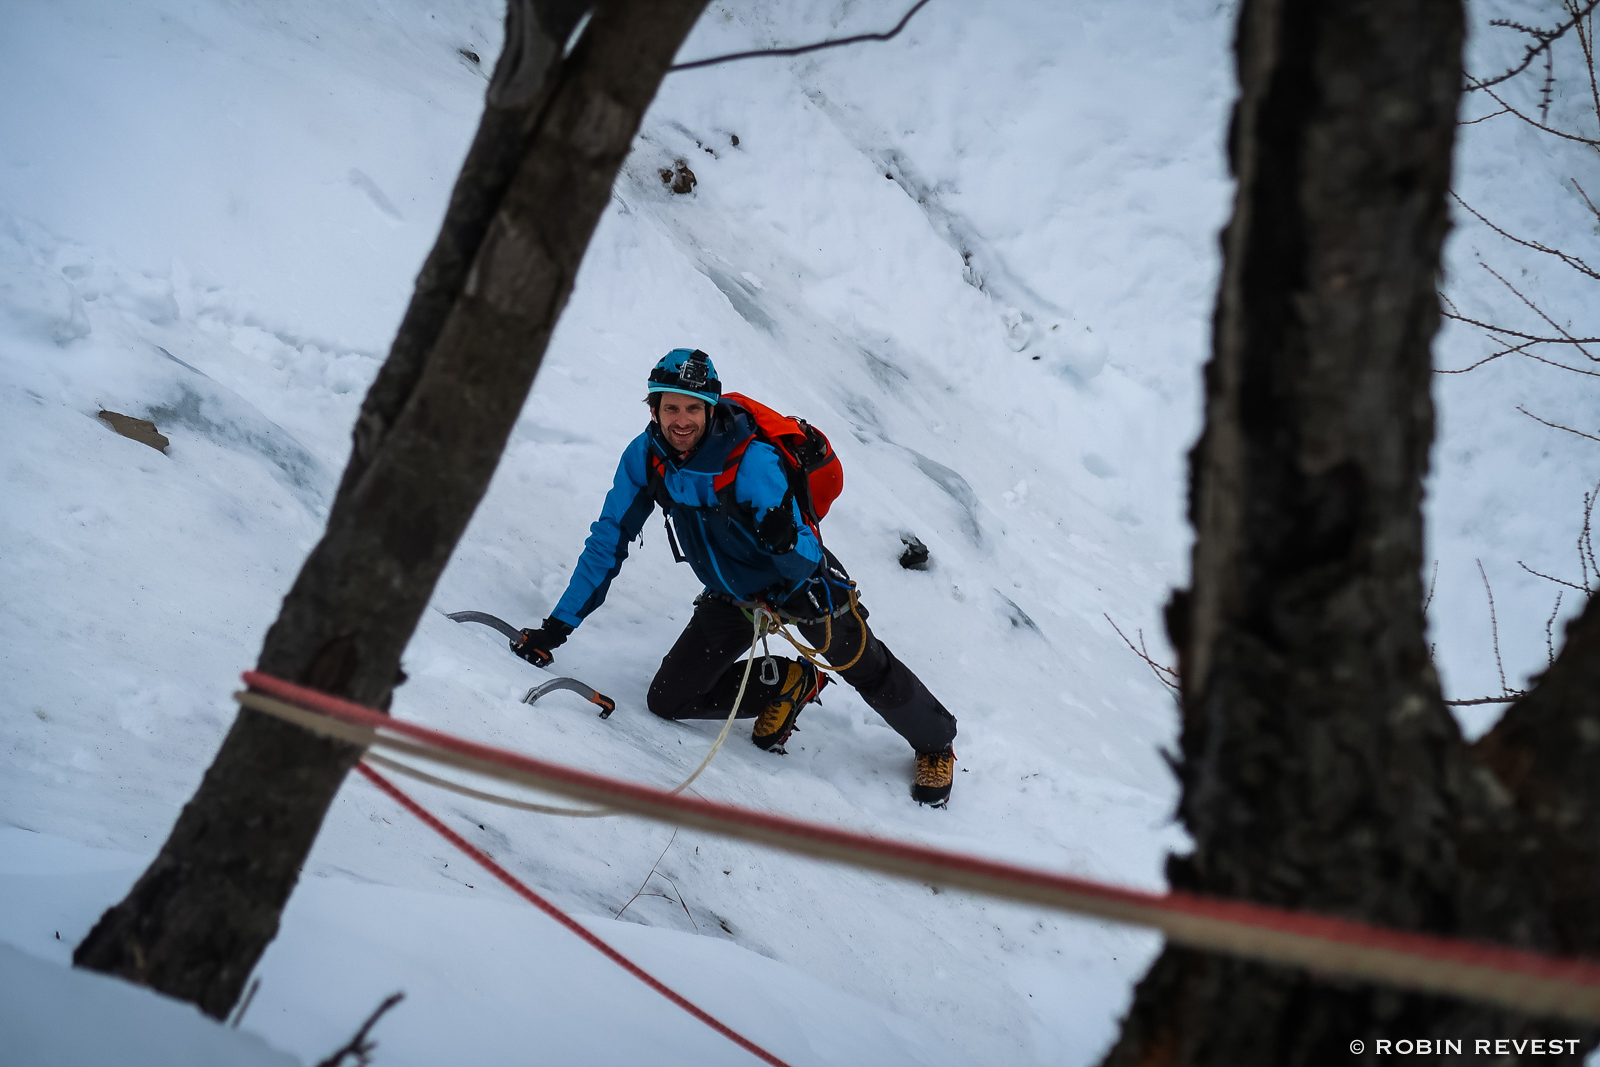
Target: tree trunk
1546,751
537,178
1319,767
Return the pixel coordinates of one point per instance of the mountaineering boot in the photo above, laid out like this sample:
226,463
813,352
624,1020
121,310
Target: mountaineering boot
800,687
935,772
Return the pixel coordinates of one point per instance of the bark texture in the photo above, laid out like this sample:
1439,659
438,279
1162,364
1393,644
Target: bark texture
1320,769
1546,752
537,178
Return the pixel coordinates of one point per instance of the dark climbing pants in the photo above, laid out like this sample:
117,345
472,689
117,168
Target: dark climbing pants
699,677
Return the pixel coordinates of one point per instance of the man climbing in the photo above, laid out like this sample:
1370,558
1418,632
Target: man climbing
734,516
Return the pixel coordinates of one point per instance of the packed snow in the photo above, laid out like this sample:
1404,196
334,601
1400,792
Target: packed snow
980,256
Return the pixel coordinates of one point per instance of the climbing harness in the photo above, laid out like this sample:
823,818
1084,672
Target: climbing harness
810,654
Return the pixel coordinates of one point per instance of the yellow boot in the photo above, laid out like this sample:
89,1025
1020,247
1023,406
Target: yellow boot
800,687
934,775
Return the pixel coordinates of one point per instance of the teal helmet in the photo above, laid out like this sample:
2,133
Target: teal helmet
687,371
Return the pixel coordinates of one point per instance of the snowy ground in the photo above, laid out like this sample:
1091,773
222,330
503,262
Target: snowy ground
980,256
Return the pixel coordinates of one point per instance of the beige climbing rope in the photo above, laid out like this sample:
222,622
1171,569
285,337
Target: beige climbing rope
763,622
811,654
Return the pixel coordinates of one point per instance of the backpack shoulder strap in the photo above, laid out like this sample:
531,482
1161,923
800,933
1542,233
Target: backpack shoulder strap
730,466
656,480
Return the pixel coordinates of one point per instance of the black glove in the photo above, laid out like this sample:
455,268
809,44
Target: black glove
535,645
777,532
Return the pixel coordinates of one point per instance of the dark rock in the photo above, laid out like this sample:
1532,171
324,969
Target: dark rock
915,557
678,177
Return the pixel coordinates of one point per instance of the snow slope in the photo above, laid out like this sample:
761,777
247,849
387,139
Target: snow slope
981,256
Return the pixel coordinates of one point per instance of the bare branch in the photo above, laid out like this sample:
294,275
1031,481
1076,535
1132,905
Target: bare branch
1549,635
681,904
359,1046
1513,350
1572,261
1549,578
1166,675
1559,366
1509,698
1494,628
1536,124
1586,537
1482,118
1539,311
244,1005
1548,87
647,878
1535,338
800,50
1556,425
1586,44
1586,200
1434,577
1545,39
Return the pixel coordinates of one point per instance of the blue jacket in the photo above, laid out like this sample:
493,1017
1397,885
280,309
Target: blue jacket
721,547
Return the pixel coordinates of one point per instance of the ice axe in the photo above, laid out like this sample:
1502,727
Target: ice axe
589,693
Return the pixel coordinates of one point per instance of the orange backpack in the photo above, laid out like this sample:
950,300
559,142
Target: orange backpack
816,477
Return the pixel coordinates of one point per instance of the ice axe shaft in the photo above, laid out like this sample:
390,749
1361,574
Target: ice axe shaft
605,703
485,619
589,693
541,658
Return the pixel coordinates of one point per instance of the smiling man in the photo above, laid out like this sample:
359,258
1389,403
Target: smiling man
733,516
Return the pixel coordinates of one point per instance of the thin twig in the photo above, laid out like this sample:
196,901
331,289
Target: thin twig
1583,557
681,904
1575,262
647,877
1525,336
1545,39
1536,124
1586,45
244,1005
1507,694
800,50
1556,425
1481,118
1586,200
1551,578
1547,88
1166,675
1559,366
1549,624
1494,628
1513,350
1434,577
1539,311
359,1046
1586,536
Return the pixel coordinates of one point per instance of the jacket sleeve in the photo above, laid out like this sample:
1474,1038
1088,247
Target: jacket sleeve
762,485
627,506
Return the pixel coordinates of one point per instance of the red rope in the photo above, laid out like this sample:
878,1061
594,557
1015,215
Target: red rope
483,860
1083,895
